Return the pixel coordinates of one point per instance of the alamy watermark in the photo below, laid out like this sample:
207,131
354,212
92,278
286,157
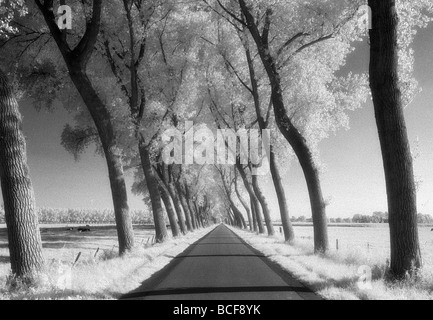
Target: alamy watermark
201,145
64,20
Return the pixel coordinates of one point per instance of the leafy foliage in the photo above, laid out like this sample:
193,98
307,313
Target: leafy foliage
76,140
55,215
9,9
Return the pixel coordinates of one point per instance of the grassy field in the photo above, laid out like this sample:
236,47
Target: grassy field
99,273
370,241
337,274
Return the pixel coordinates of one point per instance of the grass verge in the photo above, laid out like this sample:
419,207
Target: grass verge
345,275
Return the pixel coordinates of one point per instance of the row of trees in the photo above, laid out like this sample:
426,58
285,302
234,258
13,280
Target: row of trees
130,69
382,217
278,42
376,217
84,216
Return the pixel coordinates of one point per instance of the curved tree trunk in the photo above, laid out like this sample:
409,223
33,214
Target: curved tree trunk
245,205
397,159
193,213
76,61
170,211
24,239
232,221
276,178
102,120
176,202
289,234
253,212
290,132
311,173
184,207
190,207
253,197
265,207
238,216
199,217
155,197
178,207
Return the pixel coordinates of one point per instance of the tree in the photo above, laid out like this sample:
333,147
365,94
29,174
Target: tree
243,202
76,60
397,159
289,131
263,123
228,180
168,197
254,199
284,33
24,239
151,54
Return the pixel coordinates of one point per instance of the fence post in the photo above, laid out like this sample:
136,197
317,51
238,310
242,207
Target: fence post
336,244
76,259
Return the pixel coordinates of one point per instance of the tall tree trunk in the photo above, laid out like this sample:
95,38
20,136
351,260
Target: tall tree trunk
238,215
291,133
112,152
193,214
265,207
244,204
253,212
231,218
190,207
197,210
253,197
289,234
178,207
185,207
164,179
397,159
276,178
311,173
76,61
24,239
155,196
181,215
170,211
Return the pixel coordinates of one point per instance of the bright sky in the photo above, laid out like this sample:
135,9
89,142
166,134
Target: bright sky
353,182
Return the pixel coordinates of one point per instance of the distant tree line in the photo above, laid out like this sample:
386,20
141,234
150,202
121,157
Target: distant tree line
376,217
88,216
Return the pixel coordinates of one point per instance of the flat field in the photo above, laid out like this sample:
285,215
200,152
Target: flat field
86,265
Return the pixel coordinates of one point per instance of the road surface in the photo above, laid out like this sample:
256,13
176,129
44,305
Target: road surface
221,266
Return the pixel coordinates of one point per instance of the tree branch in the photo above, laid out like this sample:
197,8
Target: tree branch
231,14
47,11
290,41
84,48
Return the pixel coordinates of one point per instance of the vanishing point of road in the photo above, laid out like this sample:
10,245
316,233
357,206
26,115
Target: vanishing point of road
221,266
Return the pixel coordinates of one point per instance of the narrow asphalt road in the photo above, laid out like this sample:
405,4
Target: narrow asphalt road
221,266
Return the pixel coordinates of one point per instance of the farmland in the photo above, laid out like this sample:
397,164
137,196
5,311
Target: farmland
369,240
86,265
335,275
100,274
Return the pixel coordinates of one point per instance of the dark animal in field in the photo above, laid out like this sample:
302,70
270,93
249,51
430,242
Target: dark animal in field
84,229
69,229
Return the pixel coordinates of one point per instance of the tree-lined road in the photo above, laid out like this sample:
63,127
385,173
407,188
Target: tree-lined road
221,266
